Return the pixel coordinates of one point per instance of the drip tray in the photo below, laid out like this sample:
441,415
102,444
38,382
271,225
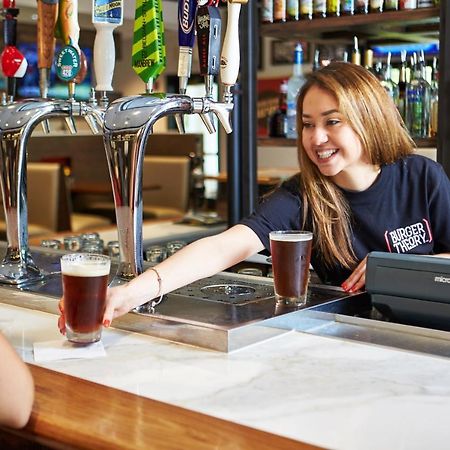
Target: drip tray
224,312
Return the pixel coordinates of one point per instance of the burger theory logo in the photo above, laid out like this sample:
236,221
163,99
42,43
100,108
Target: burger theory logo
404,239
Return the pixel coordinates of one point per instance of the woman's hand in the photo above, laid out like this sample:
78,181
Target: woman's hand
117,304
357,279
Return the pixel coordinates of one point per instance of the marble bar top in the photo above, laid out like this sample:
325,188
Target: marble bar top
320,390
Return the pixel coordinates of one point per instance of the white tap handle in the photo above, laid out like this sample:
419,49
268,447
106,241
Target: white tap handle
104,56
231,57
106,15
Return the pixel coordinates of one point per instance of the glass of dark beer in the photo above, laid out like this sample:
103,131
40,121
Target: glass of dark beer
291,255
85,280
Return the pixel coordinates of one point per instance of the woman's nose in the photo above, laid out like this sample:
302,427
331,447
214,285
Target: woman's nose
319,136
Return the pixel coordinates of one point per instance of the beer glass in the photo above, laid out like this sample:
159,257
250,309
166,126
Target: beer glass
291,255
85,280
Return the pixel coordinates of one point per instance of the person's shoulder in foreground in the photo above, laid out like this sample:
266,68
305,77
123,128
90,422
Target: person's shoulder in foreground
16,388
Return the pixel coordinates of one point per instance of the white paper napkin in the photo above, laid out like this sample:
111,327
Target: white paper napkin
63,349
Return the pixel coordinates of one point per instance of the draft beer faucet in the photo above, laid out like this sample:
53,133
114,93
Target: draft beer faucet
17,122
129,121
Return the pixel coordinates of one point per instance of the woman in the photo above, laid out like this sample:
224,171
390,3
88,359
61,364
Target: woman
360,190
16,388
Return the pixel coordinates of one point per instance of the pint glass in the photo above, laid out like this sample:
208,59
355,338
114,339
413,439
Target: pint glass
291,255
85,280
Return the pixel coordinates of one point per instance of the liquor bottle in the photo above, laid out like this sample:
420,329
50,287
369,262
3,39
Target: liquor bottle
387,82
278,120
401,100
292,10
294,85
356,56
306,9
368,60
319,8
279,10
418,93
390,5
361,6
347,7
376,6
267,11
434,101
333,8
316,61
408,4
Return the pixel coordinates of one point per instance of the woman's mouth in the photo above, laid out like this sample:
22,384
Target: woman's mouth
325,154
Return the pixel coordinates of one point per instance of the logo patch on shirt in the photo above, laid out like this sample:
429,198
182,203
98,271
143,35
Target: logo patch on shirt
404,239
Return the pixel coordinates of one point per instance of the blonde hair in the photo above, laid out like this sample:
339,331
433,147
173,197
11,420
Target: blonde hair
371,113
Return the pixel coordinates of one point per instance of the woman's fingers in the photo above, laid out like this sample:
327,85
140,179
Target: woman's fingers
357,279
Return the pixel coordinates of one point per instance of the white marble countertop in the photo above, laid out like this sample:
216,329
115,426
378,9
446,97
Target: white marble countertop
325,391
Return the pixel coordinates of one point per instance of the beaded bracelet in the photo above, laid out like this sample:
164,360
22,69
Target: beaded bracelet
154,303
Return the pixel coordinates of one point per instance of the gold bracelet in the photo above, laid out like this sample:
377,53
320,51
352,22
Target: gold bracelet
159,294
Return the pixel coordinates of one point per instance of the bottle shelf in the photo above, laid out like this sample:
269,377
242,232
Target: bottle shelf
284,142
417,25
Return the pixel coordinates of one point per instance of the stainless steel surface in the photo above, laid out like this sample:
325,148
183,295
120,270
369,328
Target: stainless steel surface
128,123
17,122
213,320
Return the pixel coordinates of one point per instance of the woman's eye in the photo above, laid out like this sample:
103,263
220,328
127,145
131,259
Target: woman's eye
307,125
333,121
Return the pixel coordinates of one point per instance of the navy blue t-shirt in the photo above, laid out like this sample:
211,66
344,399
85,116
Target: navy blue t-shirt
406,210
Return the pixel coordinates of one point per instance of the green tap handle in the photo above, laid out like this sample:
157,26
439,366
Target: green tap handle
149,51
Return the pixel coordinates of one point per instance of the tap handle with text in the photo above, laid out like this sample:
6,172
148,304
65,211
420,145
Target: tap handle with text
187,10
209,25
106,16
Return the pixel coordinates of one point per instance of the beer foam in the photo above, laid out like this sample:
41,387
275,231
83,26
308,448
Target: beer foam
290,237
86,269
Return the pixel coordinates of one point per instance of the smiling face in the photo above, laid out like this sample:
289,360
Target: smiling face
329,141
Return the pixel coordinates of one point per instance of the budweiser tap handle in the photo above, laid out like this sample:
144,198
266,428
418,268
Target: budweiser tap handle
47,11
106,16
230,59
187,10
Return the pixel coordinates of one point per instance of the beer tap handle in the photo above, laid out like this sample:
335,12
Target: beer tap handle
69,60
230,59
47,11
106,17
187,10
14,64
209,25
149,50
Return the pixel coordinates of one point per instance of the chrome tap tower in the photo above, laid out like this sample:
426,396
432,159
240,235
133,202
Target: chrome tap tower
129,121
19,119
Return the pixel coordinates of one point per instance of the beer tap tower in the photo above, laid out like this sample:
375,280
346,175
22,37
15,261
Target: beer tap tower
129,121
17,122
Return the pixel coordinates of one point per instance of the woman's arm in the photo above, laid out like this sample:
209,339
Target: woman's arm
16,388
200,259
